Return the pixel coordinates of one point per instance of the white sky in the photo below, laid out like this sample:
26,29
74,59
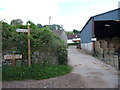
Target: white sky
72,14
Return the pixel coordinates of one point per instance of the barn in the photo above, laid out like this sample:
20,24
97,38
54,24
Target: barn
104,26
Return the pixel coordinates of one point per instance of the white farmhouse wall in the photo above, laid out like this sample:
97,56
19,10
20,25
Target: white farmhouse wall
70,41
87,46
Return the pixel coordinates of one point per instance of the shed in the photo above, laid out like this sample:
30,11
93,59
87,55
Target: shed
104,25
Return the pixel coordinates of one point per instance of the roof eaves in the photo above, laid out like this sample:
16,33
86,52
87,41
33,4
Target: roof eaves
106,12
86,24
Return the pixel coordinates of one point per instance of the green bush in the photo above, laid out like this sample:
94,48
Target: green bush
42,40
34,72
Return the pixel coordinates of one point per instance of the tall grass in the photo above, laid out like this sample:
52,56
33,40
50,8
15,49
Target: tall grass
34,72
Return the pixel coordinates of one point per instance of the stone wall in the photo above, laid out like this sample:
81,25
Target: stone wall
44,57
41,58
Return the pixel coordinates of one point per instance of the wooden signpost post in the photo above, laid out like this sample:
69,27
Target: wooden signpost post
28,31
29,59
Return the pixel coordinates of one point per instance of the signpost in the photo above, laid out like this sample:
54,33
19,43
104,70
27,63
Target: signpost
17,56
29,59
12,58
28,31
21,30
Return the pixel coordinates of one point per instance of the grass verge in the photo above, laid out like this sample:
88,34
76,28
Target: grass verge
10,73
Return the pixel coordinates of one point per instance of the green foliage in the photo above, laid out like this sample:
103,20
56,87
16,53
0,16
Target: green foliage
34,72
54,27
73,43
42,40
62,55
69,32
16,22
76,31
39,25
32,25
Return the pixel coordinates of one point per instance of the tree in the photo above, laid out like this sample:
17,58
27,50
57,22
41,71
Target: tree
39,25
32,25
76,31
54,27
69,32
16,22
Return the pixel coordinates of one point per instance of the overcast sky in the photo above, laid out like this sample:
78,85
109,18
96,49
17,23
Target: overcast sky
72,14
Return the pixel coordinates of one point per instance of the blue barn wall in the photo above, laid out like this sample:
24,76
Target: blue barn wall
112,15
86,34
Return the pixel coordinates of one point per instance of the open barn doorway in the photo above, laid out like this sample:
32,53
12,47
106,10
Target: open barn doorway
107,29
108,34
107,46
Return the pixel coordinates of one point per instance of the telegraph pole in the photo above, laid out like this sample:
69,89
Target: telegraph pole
29,59
49,20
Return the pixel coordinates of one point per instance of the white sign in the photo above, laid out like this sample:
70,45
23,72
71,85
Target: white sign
94,39
17,56
21,30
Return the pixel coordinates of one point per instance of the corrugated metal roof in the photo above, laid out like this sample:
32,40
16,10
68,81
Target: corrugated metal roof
106,12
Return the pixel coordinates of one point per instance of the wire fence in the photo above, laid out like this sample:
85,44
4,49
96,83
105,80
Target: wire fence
110,57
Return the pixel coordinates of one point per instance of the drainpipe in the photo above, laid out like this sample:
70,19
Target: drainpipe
93,33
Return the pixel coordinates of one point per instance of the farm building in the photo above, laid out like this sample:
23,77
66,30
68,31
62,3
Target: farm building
102,32
72,38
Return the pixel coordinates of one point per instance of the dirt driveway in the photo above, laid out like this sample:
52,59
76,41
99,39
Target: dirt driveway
88,72
94,73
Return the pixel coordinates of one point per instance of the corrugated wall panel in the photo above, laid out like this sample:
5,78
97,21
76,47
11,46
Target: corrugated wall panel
86,34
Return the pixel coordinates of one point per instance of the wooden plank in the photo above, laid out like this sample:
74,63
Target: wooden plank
17,56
